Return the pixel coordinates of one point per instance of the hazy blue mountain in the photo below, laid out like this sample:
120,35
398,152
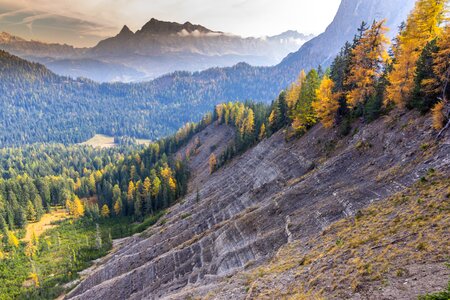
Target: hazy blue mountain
156,49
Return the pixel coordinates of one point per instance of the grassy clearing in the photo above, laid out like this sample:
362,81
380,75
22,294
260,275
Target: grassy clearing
45,223
65,249
100,141
370,249
104,141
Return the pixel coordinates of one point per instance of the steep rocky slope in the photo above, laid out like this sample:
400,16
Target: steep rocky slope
278,193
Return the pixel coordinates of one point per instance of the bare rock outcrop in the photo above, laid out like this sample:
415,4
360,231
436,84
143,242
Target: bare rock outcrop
275,193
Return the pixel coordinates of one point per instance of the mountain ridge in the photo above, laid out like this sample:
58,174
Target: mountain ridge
158,48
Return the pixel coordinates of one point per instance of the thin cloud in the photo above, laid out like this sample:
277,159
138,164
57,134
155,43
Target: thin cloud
242,17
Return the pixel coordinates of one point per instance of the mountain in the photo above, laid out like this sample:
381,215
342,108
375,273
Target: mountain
67,60
164,104
37,105
356,217
161,47
158,48
322,49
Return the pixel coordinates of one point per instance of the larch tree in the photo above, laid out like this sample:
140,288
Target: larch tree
422,26
262,132
12,240
293,93
366,65
327,103
439,117
172,184
212,163
91,182
131,192
249,124
118,207
156,186
78,208
105,211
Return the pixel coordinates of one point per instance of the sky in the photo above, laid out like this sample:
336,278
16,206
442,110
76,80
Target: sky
85,22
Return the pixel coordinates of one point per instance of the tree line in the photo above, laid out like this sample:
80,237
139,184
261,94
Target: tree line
123,181
367,79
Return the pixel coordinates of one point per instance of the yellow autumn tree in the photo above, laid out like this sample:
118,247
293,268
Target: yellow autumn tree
156,186
147,186
69,206
12,240
250,122
262,132
421,27
35,279
118,207
30,249
131,191
327,103
78,208
212,163
365,68
293,93
105,211
172,184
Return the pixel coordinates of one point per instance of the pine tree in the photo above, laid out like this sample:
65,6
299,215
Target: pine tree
425,95
304,115
31,212
98,236
439,84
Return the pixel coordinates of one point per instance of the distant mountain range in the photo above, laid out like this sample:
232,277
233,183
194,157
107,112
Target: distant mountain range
76,109
157,48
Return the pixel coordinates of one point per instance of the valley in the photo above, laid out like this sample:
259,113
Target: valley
325,176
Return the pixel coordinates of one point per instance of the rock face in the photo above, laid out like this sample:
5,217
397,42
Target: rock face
276,193
322,49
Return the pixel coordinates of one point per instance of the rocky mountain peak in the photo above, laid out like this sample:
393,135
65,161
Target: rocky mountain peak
8,38
155,26
126,32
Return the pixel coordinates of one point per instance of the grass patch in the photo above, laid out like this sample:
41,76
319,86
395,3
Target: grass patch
149,221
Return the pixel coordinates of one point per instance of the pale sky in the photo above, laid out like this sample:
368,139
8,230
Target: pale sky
85,22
